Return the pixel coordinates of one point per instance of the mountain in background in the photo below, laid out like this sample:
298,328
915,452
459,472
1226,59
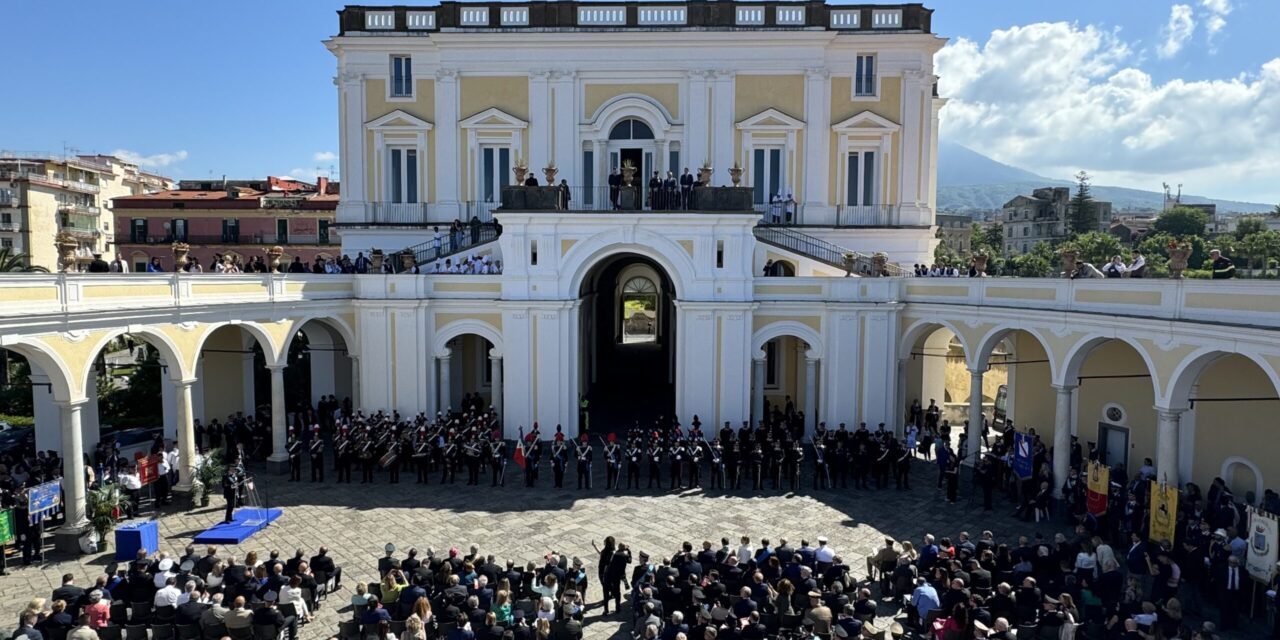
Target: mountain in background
971,182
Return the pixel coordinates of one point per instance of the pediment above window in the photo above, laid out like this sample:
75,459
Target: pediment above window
866,122
771,119
493,118
398,120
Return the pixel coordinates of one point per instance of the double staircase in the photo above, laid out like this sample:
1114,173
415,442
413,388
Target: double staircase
452,244
820,250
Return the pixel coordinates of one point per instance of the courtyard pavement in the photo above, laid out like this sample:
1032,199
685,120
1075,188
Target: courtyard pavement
514,522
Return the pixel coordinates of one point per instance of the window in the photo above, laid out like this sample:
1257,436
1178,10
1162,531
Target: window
864,80
766,167
673,158
588,177
771,364
6,218
230,230
719,254
6,243
282,231
631,129
324,232
495,172
401,77
861,179
639,311
178,229
404,175
138,230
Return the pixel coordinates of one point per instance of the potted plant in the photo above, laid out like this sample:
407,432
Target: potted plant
105,505
274,254
180,251
735,173
980,263
549,172
880,264
208,474
521,169
704,173
848,260
376,258
67,245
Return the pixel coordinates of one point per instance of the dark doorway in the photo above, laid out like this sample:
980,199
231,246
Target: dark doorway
636,157
627,342
1113,444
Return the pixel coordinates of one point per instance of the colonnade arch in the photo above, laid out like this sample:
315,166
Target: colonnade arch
786,358
468,361
322,362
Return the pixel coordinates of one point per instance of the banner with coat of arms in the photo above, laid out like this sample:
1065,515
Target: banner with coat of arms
1099,483
1022,463
1164,512
1263,531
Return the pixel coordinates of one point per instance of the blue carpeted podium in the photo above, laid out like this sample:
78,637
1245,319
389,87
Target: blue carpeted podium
244,523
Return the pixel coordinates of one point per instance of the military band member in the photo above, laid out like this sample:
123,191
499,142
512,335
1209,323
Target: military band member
559,460
613,462
422,454
734,462
497,459
367,454
583,454
726,435
317,455
757,466
449,459
396,452
343,452
793,457
694,453
821,468
633,455
532,456
294,446
655,461
677,458
861,466
716,460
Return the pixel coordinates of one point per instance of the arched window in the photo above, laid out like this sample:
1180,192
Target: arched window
639,302
631,129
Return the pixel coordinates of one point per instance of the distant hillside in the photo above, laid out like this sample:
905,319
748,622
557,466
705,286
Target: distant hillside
970,181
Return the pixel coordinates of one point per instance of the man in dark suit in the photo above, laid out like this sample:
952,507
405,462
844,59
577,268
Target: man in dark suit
686,188
99,265
269,615
1229,583
324,568
71,594
615,188
190,611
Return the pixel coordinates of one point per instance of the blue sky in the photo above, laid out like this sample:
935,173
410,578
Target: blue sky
1136,91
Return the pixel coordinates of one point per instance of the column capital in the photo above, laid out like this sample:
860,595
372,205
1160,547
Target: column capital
811,360
446,75
1169,413
276,367
495,354
183,383
760,359
1068,388
444,356
817,73
67,404
978,372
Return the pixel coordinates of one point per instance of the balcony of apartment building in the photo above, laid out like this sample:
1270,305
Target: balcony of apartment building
322,239
79,209
41,178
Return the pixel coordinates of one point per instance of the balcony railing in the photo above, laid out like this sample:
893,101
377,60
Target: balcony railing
78,209
415,213
41,178
80,231
9,226
228,239
867,215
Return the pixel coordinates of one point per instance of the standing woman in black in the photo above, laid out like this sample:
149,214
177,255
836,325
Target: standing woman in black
602,567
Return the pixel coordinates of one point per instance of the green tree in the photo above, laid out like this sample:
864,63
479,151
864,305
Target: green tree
1082,216
1030,265
943,254
137,404
1276,210
1155,247
16,396
988,238
1181,222
1097,247
1248,225
17,262
1260,247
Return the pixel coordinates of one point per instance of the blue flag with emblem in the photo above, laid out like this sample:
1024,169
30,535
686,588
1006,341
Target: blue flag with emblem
44,500
1022,455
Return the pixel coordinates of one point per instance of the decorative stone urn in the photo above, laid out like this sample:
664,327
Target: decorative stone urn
521,170
735,174
407,260
549,172
1068,261
67,245
980,263
704,174
376,258
628,172
880,264
180,251
1179,252
273,257
848,260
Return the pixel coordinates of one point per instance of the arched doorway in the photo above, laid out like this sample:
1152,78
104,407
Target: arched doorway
627,343
319,369
467,375
934,378
631,141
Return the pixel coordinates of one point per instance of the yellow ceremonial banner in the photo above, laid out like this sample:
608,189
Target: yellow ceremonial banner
1164,511
1099,485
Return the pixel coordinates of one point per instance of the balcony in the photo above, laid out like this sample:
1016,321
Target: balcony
47,180
229,239
82,232
867,215
12,227
78,209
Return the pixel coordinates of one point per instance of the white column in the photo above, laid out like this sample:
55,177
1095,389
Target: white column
186,433
90,424
351,146
1167,434
722,127
73,497
168,407
197,393
278,419
817,144
445,362
975,415
757,389
567,149
48,420
697,125
447,154
248,401
911,171
810,394
495,363
356,384
539,152
1061,436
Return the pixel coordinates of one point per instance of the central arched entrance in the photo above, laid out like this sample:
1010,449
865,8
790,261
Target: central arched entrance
627,343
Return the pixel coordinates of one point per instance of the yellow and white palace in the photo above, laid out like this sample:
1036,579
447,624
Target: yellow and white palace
642,312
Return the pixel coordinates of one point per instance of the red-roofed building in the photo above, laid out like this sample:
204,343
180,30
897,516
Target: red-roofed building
238,217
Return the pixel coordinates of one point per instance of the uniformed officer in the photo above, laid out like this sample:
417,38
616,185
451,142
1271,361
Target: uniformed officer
655,461
368,454
677,458
821,466
559,460
422,454
757,466
532,457
294,447
342,453
613,462
902,468
695,459
716,460
792,459
396,449
583,454
317,454
633,462
497,459
471,454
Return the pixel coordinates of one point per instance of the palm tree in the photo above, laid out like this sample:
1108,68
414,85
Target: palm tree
16,262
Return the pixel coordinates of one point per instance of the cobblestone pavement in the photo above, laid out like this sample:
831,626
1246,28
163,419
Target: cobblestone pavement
519,523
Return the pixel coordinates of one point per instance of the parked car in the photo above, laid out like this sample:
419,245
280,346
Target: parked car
17,441
133,441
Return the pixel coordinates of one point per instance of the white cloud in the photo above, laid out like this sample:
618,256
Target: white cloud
325,156
1177,31
1217,18
157,161
1056,98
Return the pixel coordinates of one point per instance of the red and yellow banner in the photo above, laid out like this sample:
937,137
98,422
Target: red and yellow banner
1164,512
1099,482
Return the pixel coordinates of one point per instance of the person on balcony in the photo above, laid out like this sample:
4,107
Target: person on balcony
670,195
119,265
296,266
686,189
99,265
154,266
655,184
563,196
615,188
1223,268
